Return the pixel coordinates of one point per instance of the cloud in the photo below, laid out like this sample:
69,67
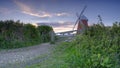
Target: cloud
28,10
62,14
41,14
58,26
61,27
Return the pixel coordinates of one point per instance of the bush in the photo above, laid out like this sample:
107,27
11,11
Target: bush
44,32
16,34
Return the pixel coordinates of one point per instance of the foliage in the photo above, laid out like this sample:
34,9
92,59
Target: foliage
44,32
98,47
14,34
31,32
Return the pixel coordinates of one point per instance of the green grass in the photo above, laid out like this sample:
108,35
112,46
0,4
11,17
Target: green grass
99,47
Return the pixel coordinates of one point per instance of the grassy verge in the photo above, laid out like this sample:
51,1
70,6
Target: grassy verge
83,55
97,48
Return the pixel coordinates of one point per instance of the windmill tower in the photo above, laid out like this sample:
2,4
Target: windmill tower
81,22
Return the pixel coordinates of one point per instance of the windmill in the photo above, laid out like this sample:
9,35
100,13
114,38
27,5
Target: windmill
81,21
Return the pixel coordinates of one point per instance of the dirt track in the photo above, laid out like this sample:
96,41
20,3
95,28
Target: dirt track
19,58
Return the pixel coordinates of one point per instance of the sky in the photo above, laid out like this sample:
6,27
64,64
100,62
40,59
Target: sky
60,11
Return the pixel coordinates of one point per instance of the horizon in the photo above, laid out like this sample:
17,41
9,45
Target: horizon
60,11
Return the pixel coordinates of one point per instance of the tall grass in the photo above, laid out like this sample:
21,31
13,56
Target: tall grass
98,47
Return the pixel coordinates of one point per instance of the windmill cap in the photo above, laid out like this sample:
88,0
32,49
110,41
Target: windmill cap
83,17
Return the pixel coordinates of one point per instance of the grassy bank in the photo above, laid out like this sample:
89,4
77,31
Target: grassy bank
98,47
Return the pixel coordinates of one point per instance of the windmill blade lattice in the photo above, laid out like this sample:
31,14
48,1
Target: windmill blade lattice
79,17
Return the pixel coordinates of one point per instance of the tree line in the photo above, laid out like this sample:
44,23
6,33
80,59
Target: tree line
15,34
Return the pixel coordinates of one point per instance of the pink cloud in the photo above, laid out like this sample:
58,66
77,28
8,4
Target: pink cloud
28,10
62,14
42,14
59,27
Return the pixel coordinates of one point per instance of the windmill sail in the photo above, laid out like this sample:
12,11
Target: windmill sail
79,16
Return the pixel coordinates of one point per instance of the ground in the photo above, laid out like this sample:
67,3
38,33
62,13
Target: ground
22,57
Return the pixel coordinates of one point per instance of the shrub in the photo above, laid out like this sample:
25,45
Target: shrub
44,32
14,34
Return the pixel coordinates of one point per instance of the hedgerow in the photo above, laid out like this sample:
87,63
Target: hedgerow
15,34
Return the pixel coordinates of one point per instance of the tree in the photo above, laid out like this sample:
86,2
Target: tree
30,32
44,32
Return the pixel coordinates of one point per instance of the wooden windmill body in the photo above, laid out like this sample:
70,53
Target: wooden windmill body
82,25
82,22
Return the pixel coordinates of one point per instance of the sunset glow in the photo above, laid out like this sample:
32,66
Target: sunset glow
59,11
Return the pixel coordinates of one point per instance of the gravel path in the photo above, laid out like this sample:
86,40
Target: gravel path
19,58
